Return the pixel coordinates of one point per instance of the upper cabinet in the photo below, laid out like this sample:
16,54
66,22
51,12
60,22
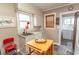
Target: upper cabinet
50,20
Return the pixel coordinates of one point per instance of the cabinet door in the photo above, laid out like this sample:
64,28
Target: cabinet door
21,44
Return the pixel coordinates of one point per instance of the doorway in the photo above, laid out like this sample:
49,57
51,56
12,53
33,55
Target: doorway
68,27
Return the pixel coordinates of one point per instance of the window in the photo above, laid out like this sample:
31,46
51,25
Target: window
68,22
50,20
24,18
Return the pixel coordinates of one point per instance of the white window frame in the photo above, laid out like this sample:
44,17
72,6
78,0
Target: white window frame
18,21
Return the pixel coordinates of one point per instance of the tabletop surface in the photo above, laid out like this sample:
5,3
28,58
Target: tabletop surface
40,46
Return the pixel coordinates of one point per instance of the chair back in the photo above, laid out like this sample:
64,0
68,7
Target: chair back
8,40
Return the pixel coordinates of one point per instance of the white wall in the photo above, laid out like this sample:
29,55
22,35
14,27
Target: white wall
7,9
52,34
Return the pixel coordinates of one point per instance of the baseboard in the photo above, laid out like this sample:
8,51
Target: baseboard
56,43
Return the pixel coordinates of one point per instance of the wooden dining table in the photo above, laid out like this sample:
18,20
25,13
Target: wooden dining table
46,48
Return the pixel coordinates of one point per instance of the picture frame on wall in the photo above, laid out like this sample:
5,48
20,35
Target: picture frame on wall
6,21
50,20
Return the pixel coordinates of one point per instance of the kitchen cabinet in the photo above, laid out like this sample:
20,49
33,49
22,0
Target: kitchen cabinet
22,41
21,44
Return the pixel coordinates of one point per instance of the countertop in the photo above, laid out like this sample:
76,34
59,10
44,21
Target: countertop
34,33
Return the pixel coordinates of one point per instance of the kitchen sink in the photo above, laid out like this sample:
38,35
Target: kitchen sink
26,34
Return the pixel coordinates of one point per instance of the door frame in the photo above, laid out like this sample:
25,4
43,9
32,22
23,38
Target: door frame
74,31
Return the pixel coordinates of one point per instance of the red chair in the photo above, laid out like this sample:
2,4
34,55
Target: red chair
9,46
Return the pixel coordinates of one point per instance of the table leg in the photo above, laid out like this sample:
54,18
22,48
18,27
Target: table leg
29,51
50,51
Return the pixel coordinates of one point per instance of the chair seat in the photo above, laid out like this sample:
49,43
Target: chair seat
10,47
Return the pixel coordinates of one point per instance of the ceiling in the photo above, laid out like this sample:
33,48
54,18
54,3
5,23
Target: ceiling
48,6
